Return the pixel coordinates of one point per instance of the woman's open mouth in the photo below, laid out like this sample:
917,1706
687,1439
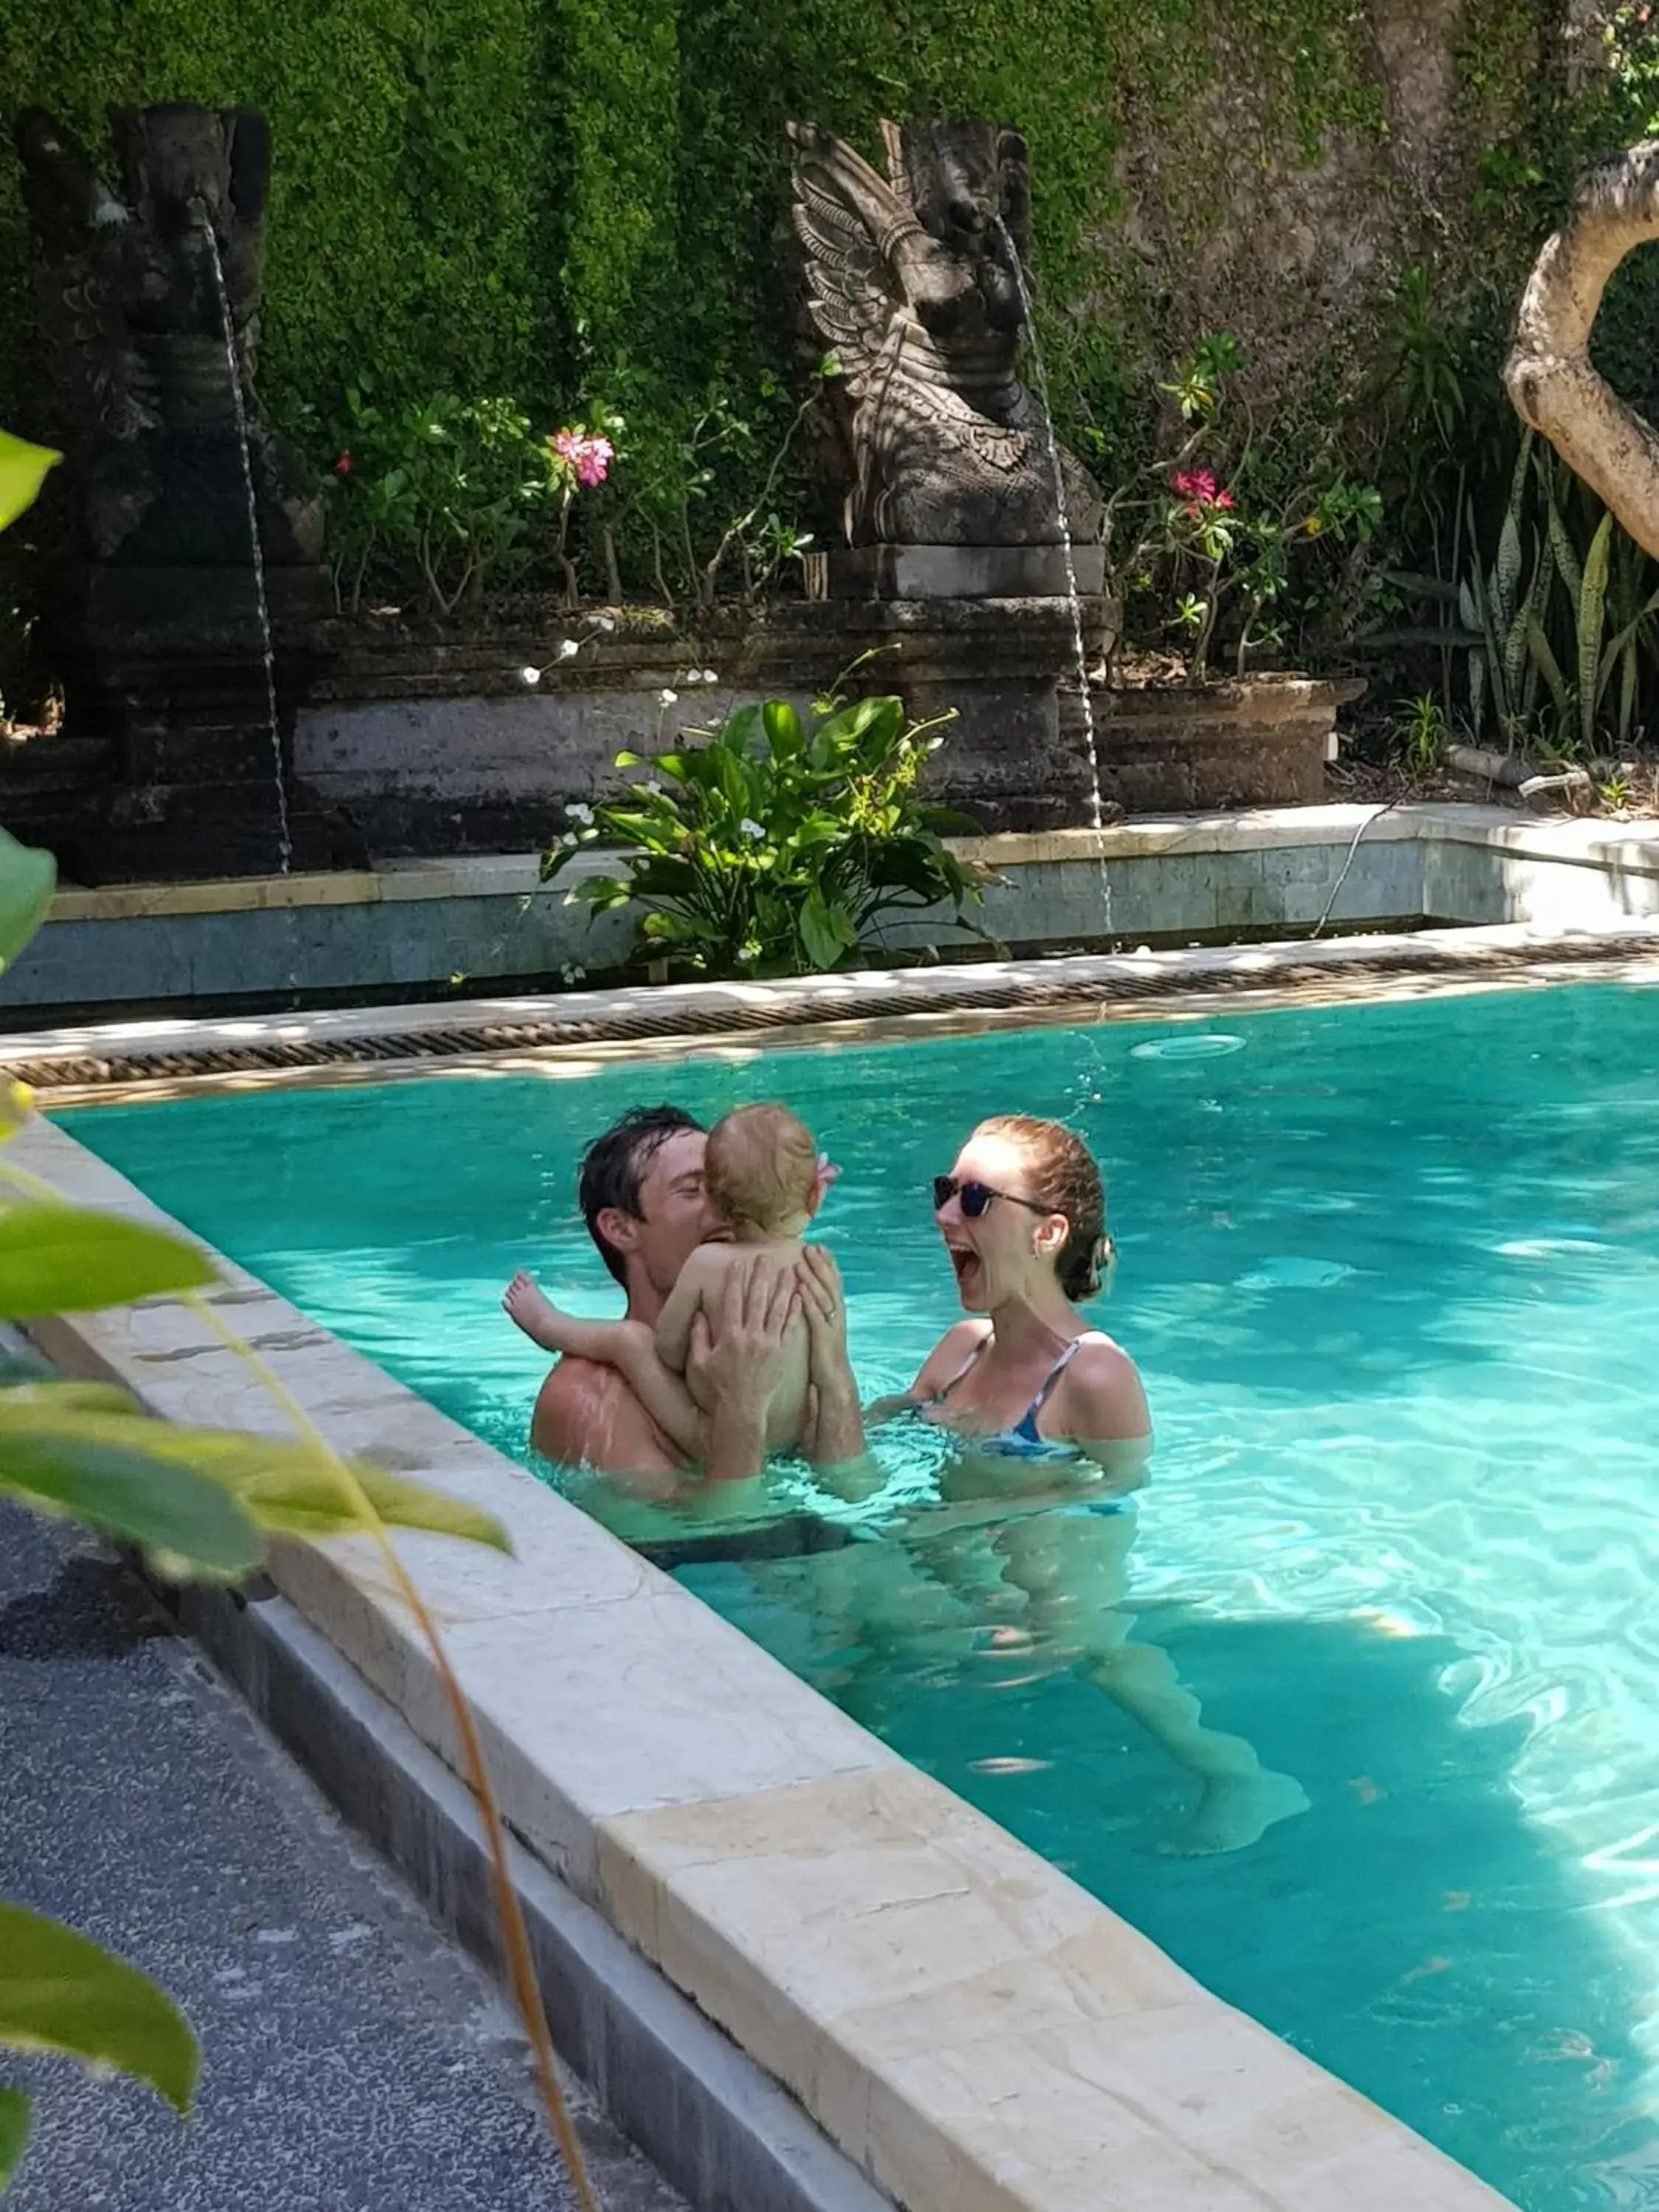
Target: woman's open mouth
966,1261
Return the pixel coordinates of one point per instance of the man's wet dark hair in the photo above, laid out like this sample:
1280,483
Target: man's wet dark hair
614,1166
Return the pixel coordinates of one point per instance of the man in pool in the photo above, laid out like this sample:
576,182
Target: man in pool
642,1197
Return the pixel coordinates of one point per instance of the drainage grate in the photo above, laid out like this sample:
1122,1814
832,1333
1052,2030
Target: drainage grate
1117,979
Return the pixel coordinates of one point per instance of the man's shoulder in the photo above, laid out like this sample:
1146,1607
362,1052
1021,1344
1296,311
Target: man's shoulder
586,1416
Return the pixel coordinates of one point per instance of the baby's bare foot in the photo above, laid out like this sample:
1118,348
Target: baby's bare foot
534,1313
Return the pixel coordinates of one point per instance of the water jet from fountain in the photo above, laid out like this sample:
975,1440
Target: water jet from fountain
1040,372
227,323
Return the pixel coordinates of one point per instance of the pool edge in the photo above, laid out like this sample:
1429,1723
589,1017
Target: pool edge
969,2027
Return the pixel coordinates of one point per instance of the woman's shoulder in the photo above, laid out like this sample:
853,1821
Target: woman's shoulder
1103,1395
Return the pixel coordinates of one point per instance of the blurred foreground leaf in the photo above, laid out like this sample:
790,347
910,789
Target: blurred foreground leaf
61,1992
23,471
123,1475
57,1258
28,878
14,2131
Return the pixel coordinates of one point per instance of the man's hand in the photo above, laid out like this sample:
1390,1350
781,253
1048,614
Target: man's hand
740,1364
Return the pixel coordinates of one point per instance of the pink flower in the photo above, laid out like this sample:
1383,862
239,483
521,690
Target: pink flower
1196,484
589,459
344,466
1199,488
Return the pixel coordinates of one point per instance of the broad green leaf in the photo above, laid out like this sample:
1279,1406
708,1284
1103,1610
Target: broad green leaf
820,939
40,1391
122,1474
69,1259
746,731
23,471
783,730
61,1992
66,1259
298,1497
28,880
14,2131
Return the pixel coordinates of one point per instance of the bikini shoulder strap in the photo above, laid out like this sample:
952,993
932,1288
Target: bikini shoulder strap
1046,1386
964,1370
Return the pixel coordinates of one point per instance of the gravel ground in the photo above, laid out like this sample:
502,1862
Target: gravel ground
356,2061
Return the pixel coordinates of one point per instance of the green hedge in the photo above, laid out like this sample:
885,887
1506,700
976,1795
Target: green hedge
580,202
411,233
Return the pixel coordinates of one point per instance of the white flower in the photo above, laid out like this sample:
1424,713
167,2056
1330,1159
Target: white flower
667,698
569,648
572,973
529,678
570,838
748,828
604,622
709,677
654,787
576,812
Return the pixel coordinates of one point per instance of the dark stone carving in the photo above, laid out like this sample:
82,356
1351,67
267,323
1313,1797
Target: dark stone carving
156,616
914,285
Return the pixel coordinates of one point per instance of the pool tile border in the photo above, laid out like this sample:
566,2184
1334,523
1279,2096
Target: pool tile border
969,2026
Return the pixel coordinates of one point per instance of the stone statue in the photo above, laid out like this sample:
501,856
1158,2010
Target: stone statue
133,317
171,618
915,286
1554,385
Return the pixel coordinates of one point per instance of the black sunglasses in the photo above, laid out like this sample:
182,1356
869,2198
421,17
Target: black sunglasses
975,1197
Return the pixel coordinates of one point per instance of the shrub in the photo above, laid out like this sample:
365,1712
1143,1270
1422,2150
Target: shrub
771,846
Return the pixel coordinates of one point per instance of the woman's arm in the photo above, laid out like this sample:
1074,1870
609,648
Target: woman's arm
1104,1411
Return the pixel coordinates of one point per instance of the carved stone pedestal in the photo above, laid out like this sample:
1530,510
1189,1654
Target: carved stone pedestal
1016,755
954,572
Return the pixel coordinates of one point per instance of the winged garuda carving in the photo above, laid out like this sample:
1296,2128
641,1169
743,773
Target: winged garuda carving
916,285
132,309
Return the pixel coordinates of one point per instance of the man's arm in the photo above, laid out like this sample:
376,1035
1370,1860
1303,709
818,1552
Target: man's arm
740,1363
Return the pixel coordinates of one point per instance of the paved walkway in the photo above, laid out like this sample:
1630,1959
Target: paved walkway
355,2060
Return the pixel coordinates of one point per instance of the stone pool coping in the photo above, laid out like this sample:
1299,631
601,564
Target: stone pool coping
972,2030
563,1031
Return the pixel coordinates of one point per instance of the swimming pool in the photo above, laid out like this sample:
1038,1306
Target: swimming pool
1393,1275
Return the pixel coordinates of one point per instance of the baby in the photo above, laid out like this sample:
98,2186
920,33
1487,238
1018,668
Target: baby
761,1174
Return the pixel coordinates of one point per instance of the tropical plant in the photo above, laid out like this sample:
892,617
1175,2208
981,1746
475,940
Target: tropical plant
197,1504
453,496
1419,734
774,846
1556,628
1228,563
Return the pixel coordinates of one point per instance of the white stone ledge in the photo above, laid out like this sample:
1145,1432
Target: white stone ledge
966,2022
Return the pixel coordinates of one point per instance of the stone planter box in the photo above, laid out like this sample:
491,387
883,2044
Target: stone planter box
409,745
1247,741
442,749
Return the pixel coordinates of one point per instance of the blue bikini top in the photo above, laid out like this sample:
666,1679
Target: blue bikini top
1023,1440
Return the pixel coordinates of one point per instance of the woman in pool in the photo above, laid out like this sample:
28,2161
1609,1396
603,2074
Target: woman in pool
1055,1432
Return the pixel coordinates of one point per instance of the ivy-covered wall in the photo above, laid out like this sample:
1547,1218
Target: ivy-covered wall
580,202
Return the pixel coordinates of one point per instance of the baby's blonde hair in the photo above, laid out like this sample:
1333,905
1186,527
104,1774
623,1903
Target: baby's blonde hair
761,1169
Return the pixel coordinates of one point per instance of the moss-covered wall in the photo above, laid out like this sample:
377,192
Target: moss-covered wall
580,201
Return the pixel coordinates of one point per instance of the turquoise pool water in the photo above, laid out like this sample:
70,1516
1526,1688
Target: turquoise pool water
1392,1272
